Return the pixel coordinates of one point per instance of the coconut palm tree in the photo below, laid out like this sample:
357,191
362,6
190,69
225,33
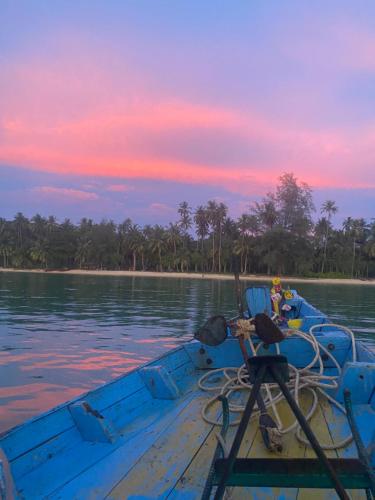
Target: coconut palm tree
185,219
6,244
355,229
221,215
173,238
157,243
212,208
135,242
202,223
329,208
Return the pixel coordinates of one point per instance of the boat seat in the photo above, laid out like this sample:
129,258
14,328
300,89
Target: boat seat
258,300
292,473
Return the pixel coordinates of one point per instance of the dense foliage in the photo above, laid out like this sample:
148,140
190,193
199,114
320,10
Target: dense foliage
276,235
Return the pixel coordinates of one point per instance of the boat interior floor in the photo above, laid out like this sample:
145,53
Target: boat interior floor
167,452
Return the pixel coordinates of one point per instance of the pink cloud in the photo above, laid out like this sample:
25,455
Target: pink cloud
80,116
161,208
120,188
75,194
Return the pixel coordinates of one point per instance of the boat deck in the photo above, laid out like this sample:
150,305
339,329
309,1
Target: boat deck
168,453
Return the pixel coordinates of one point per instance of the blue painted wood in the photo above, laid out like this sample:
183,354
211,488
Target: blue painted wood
107,472
120,413
159,382
47,426
7,490
258,300
364,352
169,457
309,321
171,359
91,424
307,309
365,418
299,352
24,438
50,424
93,460
359,378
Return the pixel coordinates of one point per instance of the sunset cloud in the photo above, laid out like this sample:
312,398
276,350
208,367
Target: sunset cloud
120,188
161,208
74,194
254,94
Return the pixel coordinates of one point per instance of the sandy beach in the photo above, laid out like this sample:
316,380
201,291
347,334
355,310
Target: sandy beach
200,276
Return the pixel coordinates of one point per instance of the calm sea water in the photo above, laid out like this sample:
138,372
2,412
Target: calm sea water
61,335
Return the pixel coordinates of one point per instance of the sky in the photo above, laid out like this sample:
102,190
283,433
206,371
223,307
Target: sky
124,108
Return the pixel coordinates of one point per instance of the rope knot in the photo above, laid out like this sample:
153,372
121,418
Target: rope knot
244,328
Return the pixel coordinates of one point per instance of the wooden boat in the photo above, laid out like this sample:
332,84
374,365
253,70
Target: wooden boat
143,435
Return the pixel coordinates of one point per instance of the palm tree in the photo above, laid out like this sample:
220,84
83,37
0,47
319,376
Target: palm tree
247,226
201,219
369,247
355,229
329,208
134,240
6,247
221,215
51,223
38,254
173,237
266,213
21,224
85,242
157,243
212,218
185,219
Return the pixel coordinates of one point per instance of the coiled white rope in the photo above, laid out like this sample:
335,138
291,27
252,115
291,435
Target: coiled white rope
236,379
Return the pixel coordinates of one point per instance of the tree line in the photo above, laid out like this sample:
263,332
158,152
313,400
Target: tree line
275,235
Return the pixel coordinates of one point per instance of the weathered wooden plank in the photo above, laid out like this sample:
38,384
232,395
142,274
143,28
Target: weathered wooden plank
105,396
98,480
364,352
291,448
7,489
91,458
124,411
338,427
359,378
171,359
297,350
191,483
120,414
137,421
38,430
321,431
168,457
29,435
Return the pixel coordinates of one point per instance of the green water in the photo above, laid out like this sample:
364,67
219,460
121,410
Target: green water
61,335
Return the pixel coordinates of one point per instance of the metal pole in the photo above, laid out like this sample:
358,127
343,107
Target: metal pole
240,433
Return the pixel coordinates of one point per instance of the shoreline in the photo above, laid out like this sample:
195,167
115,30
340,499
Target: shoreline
155,274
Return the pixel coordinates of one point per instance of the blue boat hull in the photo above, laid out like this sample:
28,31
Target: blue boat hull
142,436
